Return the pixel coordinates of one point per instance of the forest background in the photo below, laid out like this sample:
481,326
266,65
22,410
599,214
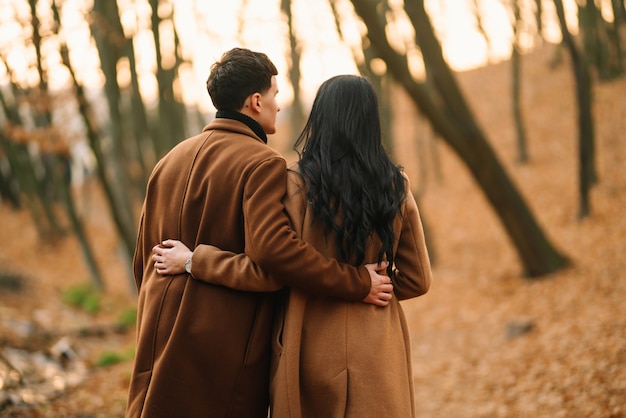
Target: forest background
507,115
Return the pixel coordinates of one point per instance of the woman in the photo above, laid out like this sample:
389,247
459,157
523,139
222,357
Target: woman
334,358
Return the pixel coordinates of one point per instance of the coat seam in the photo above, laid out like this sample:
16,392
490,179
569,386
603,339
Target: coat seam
187,181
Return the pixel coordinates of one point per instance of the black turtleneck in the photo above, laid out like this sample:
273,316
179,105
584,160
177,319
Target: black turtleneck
245,119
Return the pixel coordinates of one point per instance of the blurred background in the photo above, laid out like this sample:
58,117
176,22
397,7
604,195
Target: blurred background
508,116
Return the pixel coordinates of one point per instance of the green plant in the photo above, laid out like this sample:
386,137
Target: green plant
127,318
109,358
84,297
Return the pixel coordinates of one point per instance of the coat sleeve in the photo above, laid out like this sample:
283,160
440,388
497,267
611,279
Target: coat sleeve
412,272
237,271
272,248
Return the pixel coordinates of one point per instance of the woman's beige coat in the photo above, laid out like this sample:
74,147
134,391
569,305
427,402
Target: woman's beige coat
336,359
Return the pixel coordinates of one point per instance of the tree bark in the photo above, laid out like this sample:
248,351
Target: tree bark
171,112
61,174
539,17
93,137
22,165
516,85
107,31
586,169
144,146
298,116
601,41
446,109
619,15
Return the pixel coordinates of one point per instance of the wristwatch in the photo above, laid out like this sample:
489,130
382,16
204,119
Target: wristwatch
188,265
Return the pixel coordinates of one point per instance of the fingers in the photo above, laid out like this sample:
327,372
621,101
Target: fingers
381,299
164,266
375,267
378,302
163,270
159,257
384,294
385,288
164,246
381,290
380,294
379,281
159,263
169,257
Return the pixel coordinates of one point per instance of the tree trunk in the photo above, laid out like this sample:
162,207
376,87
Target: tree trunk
171,114
21,170
22,165
602,41
452,119
86,113
42,117
516,62
481,27
145,148
615,32
110,40
77,224
293,63
587,175
539,17
8,186
61,175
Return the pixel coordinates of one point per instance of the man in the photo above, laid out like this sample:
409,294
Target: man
203,350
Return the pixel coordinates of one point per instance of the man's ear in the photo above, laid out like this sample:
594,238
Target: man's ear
252,105
255,102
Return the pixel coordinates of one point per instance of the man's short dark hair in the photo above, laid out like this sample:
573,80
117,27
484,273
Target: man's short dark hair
238,74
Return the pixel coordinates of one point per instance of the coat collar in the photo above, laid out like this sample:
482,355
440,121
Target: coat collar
246,120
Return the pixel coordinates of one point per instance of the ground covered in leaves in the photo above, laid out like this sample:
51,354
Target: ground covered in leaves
487,342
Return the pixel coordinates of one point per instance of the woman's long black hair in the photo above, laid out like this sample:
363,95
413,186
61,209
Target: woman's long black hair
353,187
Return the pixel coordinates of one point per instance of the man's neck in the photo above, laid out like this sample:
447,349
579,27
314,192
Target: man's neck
245,119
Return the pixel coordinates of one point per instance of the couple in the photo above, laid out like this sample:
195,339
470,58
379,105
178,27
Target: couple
215,337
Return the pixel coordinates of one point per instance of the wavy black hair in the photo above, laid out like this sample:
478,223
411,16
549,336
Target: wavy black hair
354,189
238,74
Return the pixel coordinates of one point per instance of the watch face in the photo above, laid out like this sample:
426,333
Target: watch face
188,265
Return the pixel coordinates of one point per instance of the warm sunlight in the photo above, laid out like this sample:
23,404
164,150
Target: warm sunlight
256,24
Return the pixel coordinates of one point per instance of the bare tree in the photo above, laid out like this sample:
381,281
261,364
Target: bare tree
107,31
171,112
19,162
449,114
587,176
539,17
481,27
61,174
601,41
38,152
293,65
619,16
516,82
